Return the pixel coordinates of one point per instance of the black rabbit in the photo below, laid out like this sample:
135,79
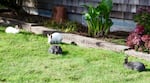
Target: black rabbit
138,66
55,49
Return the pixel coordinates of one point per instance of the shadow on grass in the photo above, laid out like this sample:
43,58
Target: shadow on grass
26,33
71,43
65,43
62,43
30,33
147,70
64,53
2,30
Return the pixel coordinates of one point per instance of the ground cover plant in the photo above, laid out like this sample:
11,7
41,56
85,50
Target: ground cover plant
24,58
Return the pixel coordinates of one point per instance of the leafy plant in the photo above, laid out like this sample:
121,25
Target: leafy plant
139,29
142,17
134,40
97,18
146,39
138,41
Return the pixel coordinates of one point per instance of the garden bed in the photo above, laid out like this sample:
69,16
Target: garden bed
27,21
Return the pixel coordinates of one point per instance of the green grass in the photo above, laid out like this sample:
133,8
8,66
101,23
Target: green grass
24,58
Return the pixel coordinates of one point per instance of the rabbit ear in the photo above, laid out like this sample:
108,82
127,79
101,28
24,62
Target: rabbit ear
51,35
126,59
17,26
48,35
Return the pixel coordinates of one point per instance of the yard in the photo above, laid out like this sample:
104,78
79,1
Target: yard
24,58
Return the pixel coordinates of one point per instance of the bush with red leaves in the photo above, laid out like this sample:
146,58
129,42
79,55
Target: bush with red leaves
139,29
136,40
147,45
146,40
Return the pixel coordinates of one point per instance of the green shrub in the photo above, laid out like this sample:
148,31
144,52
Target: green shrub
98,19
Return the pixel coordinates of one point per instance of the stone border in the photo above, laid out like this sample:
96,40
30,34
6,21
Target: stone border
80,40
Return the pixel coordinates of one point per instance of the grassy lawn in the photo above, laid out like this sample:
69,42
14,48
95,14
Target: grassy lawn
24,58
